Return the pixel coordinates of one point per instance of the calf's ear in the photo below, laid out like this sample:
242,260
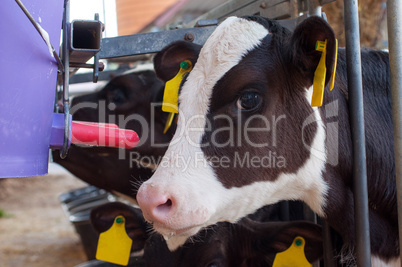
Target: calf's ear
167,62
303,47
103,216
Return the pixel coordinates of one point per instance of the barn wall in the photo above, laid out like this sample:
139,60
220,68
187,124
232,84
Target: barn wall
134,15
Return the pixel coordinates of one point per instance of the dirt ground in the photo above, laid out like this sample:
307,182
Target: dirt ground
35,230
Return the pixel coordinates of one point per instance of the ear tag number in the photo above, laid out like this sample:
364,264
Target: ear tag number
171,94
319,75
293,256
114,245
334,71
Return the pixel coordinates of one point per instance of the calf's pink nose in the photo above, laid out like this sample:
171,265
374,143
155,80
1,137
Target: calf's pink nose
155,207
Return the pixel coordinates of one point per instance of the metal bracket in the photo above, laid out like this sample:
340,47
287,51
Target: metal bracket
85,43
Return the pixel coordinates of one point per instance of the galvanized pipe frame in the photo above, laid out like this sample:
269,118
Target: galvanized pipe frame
394,20
145,43
356,111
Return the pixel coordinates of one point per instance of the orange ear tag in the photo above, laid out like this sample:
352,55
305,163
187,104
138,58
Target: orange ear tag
114,245
171,95
293,256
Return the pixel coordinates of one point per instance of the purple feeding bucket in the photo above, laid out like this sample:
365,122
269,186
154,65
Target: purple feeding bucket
28,74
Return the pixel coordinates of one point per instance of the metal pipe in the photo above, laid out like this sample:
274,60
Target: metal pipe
355,85
101,66
66,77
314,8
308,214
328,256
394,20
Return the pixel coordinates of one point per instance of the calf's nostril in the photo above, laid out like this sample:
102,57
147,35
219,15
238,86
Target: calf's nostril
156,206
163,209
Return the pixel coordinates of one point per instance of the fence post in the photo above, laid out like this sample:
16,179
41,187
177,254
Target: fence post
394,20
355,85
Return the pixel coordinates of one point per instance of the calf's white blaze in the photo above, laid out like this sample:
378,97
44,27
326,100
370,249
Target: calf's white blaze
196,193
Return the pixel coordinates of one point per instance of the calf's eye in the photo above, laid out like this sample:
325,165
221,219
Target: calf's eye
118,97
249,100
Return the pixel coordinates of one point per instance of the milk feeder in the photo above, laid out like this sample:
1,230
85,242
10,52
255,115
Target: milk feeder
28,69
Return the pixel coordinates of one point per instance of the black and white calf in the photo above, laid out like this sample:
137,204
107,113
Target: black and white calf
250,137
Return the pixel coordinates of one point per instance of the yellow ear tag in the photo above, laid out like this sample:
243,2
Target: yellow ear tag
319,75
114,245
171,94
334,71
293,256
169,122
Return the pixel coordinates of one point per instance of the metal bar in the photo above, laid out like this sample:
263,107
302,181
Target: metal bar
355,85
97,67
147,43
66,77
274,9
309,215
314,8
244,7
282,10
103,76
328,256
144,43
100,66
284,210
394,20
223,10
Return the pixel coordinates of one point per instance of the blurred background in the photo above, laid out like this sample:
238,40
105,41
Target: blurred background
124,17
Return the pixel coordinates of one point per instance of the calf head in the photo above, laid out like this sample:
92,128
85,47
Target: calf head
247,135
